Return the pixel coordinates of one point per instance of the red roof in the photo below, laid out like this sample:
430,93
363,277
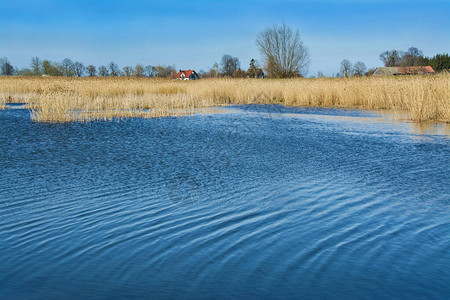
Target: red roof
187,74
416,70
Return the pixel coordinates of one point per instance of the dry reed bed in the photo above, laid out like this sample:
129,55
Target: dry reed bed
82,99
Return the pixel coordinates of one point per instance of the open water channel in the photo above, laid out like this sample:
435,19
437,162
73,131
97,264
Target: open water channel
245,202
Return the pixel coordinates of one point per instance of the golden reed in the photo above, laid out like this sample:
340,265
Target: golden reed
59,99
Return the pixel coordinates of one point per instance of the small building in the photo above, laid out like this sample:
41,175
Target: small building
395,71
185,75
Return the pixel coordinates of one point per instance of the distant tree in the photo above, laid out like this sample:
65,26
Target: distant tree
59,68
438,62
113,69
396,58
212,73
36,66
25,72
68,69
138,70
229,65
170,70
441,62
216,67
5,67
47,68
103,71
412,57
239,73
127,71
91,70
160,71
369,72
283,50
78,68
164,71
320,74
51,69
149,71
252,70
359,68
214,70
202,73
346,68
391,58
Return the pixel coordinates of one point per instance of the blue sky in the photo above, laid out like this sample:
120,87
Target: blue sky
196,33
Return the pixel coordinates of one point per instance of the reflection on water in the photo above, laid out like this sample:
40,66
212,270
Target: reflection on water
234,202
430,128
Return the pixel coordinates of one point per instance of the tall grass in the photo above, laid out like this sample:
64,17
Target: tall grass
82,99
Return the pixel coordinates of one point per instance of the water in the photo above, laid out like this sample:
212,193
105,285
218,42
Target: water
245,202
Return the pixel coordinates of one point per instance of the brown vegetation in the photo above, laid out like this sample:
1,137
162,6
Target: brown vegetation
63,99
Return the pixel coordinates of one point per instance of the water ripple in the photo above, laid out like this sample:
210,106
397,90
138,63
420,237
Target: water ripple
254,202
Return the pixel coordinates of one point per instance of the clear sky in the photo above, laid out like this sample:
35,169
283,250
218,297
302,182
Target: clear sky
196,33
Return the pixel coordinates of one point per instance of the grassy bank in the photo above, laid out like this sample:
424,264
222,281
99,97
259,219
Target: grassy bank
56,99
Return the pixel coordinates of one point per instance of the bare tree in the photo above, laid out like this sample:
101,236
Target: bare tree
47,67
51,69
359,69
283,50
103,71
36,66
149,71
239,73
67,67
214,70
320,74
127,71
229,65
412,57
164,71
6,68
138,70
113,69
395,58
346,68
202,73
391,58
78,68
91,70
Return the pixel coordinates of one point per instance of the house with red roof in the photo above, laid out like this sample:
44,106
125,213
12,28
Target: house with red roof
389,71
185,75
426,70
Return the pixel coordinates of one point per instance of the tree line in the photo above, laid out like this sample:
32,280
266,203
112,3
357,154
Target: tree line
229,67
414,57
69,68
395,58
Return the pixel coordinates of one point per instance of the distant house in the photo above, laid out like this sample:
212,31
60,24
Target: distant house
395,71
185,75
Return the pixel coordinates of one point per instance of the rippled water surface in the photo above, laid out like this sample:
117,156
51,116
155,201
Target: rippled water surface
246,202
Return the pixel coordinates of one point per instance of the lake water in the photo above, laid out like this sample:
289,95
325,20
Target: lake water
244,202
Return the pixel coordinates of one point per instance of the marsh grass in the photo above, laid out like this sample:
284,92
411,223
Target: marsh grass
56,99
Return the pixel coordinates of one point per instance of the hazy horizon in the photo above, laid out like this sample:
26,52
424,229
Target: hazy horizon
196,34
